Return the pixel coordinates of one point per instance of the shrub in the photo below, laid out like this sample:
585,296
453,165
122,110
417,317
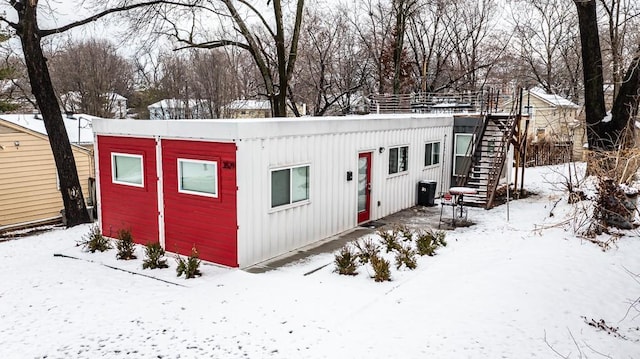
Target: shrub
440,238
125,245
95,241
346,261
426,243
407,256
190,266
366,249
380,268
389,240
406,234
154,253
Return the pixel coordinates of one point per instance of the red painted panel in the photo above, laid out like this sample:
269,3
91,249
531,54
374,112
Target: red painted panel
123,206
209,224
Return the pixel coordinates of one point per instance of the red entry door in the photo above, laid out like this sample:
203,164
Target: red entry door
364,186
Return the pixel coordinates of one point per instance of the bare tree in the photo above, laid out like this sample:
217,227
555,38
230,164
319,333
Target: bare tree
547,35
27,29
87,76
332,65
621,19
272,45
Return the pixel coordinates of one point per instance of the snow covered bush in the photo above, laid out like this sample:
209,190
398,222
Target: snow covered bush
367,248
389,240
428,241
406,256
190,266
95,241
346,261
381,269
154,254
125,245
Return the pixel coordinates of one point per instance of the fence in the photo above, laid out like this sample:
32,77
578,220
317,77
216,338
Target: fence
543,153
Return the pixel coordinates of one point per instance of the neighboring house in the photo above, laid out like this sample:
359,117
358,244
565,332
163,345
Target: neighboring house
178,109
244,191
255,109
114,103
552,117
29,187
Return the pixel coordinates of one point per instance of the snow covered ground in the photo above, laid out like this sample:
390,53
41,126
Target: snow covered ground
498,290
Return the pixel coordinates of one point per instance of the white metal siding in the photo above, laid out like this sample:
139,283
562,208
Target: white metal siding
264,233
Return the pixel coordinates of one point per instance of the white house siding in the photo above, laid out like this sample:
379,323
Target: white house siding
330,146
264,233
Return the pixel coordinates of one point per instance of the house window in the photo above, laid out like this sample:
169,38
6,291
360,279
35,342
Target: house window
198,177
431,153
127,169
398,157
463,151
289,186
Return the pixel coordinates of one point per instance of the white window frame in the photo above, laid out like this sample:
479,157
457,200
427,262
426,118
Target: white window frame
455,153
406,170
113,169
290,204
197,193
439,153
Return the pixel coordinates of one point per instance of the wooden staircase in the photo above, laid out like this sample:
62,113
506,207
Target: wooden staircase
488,158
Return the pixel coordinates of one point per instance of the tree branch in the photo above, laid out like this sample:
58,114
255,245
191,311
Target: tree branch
102,14
211,44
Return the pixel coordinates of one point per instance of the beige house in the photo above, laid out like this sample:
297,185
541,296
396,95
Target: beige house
29,187
553,118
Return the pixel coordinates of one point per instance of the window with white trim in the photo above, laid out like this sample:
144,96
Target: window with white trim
398,159
462,155
431,154
127,169
198,177
289,185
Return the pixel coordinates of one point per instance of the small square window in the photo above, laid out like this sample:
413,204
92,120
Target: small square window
127,169
198,177
398,159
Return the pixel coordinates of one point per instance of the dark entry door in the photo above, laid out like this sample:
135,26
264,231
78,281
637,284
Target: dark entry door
364,186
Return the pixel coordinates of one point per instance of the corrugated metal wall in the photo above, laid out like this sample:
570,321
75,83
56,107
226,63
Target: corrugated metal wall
332,208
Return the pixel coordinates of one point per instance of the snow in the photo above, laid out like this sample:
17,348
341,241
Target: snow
498,290
76,125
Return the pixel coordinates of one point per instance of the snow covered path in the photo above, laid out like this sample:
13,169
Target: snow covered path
496,291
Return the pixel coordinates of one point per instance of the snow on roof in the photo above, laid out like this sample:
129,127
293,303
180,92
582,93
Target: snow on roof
554,100
249,105
174,103
79,127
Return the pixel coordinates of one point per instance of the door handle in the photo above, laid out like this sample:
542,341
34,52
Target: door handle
369,187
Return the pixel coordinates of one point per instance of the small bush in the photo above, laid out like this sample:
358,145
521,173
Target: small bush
389,240
440,238
406,234
367,248
406,256
346,261
125,245
381,268
154,254
426,243
95,241
190,266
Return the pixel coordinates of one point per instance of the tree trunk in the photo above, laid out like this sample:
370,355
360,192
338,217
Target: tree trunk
625,106
42,88
592,72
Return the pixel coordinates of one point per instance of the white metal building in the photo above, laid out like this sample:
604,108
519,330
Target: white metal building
276,184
